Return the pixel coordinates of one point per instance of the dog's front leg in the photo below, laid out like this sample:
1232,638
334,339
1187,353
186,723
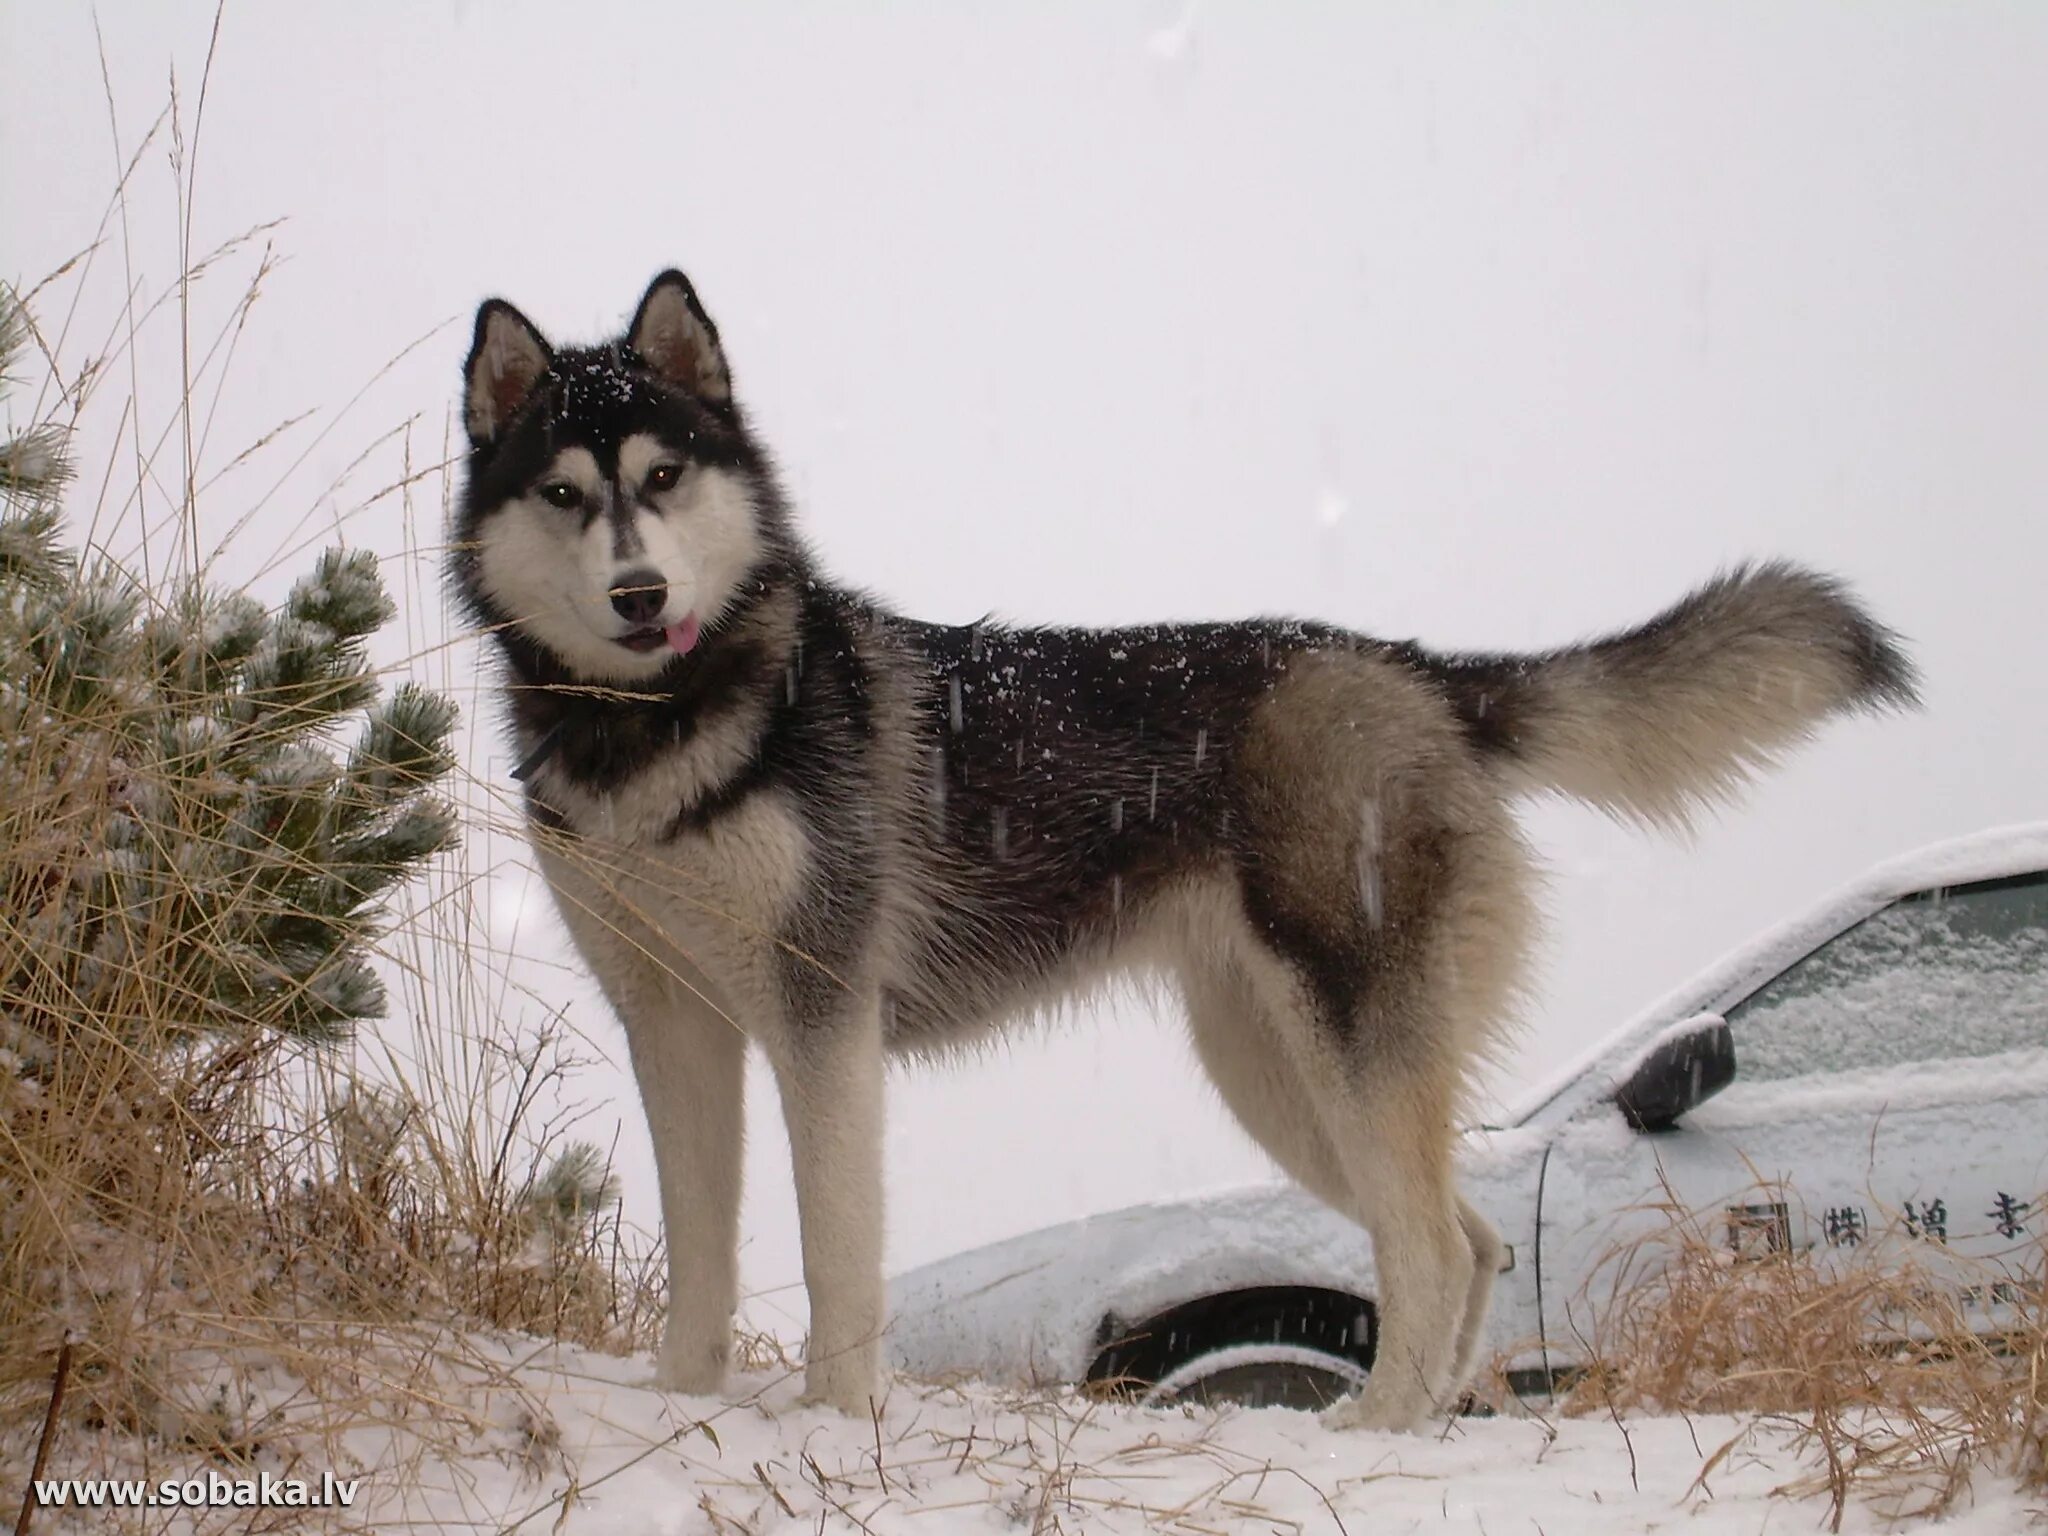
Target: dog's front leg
830,1075
691,1064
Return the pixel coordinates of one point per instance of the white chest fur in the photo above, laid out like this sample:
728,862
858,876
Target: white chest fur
707,903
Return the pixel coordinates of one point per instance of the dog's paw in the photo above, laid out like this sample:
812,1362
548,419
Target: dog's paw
694,1369
1375,1412
840,1401
856,1393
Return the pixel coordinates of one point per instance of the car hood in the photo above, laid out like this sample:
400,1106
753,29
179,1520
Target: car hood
1031,1308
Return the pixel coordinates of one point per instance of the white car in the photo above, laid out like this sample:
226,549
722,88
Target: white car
1884,1057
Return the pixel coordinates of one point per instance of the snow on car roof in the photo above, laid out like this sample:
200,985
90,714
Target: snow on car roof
1992,854
1989,855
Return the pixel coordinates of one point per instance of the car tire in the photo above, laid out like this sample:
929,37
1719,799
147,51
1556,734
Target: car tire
1264,1346
1258,1376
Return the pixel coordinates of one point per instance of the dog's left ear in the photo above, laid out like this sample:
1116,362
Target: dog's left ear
672,332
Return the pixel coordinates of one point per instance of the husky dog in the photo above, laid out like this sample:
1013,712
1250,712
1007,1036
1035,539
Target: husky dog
772,810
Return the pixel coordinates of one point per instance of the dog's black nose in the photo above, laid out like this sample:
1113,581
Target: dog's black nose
639,596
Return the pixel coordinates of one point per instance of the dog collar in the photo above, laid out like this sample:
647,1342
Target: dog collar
549,744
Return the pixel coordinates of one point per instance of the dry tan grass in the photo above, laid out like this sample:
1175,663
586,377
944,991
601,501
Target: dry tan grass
1868,1351
245,1249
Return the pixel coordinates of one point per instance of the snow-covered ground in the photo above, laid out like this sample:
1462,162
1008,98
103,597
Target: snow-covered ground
608,1455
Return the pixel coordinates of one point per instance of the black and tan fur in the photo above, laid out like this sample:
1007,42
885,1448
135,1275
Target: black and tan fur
839,833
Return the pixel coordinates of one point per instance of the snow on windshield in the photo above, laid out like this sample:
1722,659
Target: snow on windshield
1958,972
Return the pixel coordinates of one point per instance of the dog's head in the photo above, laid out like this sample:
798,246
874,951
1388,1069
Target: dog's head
615,504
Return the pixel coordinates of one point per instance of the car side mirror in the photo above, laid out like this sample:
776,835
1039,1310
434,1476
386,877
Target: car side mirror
1688,1066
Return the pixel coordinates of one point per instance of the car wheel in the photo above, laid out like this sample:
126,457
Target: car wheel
1266,1346
1258,1376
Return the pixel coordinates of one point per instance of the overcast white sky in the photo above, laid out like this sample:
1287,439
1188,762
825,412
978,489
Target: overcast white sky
1487,325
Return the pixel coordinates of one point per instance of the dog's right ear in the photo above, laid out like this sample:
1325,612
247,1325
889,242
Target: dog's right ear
506,359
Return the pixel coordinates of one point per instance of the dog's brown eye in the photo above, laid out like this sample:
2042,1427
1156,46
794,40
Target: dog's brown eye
560,493
663,477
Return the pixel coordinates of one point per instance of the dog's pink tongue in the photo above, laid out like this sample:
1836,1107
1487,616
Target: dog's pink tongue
683,637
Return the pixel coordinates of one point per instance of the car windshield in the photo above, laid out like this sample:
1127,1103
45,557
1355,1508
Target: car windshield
1960,972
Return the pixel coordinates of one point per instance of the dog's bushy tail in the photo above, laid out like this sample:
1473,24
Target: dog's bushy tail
1662,720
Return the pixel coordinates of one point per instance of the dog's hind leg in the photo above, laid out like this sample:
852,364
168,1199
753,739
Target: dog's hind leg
1373,1137
830,1075
1487,1253
1250,1066
1392,1133
1384,895
1249,1062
